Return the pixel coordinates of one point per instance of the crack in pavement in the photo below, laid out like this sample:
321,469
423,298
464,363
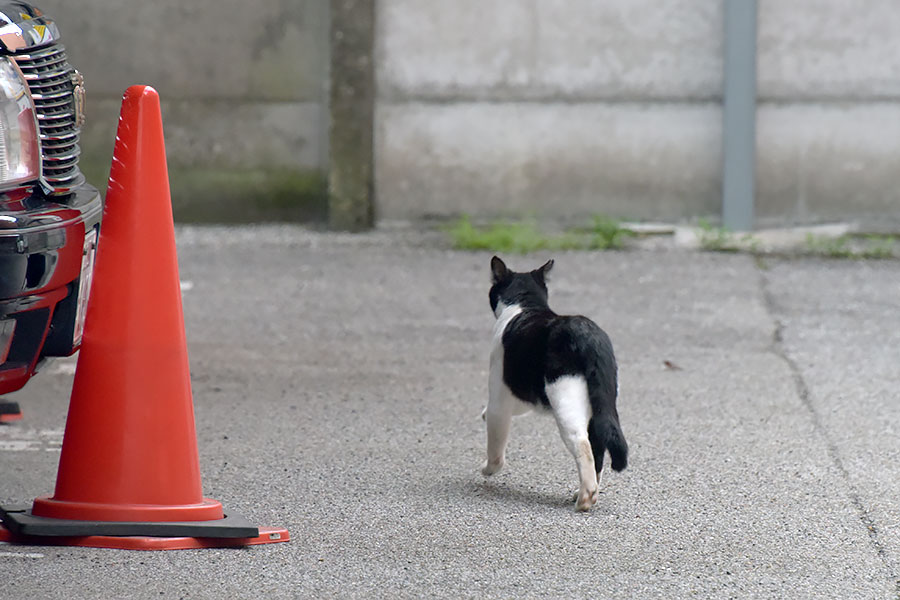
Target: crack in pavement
778,348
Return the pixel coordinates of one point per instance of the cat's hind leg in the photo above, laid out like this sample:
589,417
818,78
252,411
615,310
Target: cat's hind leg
568,397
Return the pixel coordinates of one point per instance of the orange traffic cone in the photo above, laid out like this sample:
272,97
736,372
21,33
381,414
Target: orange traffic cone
129,464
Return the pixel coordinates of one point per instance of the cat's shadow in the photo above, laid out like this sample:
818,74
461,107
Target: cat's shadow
497,490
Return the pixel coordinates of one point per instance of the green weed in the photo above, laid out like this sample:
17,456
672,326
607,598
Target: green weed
722,239
608,234
715,239
846,246
879,246
523,237
832,247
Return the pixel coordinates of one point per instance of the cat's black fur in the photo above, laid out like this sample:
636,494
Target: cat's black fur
541,346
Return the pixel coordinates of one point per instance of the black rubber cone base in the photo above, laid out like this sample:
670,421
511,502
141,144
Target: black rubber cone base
19,521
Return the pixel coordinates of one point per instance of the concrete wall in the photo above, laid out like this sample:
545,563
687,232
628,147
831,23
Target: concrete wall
243,92
829,116
558,108
568,108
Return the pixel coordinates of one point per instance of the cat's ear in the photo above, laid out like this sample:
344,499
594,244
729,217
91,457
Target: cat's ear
541,273
499,272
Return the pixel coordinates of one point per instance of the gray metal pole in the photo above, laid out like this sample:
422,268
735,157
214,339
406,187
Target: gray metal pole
739,115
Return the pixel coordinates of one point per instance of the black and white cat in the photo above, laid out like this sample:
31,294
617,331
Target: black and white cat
564,364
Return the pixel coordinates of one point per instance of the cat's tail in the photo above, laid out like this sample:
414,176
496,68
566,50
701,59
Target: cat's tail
604,433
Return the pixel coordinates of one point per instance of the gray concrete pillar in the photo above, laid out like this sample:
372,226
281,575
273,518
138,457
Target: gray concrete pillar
352,97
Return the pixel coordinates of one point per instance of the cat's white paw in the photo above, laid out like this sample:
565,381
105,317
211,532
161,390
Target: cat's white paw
491,467
596,494
586,499
484,414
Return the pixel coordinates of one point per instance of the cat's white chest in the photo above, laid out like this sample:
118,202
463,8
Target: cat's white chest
505,314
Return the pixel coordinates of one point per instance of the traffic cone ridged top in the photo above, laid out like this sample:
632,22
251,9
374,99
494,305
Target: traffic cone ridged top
129,461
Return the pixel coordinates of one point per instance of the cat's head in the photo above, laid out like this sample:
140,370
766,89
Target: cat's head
510,288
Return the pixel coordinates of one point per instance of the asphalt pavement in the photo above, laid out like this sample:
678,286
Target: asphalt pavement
338,384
